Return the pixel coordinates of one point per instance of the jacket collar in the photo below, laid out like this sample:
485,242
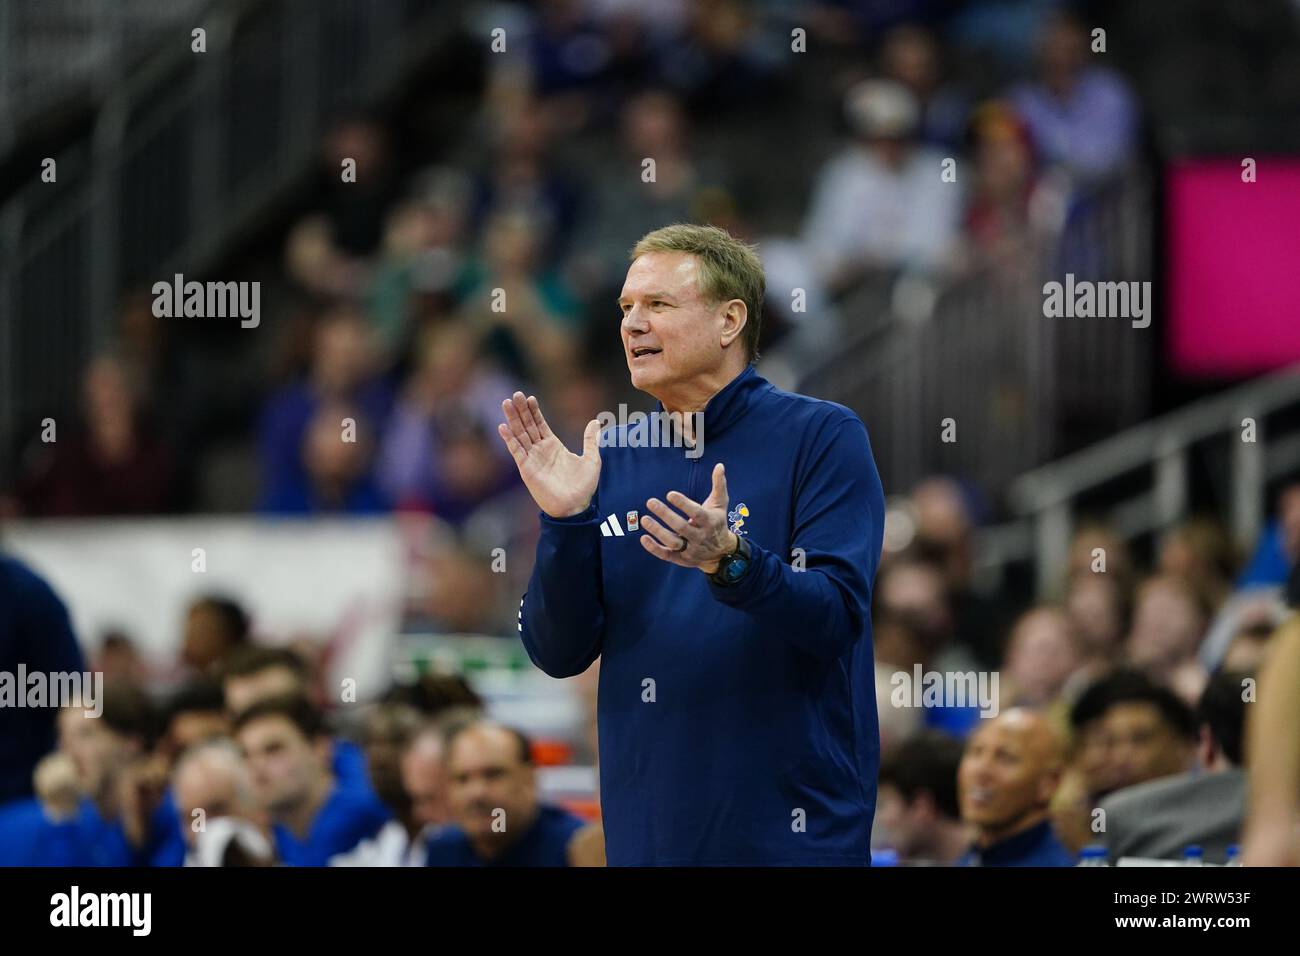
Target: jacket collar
730,403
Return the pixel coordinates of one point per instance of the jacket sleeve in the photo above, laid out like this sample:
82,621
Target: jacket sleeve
839,521
562,614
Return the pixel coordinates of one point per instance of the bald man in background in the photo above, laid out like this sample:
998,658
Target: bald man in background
493,795
1005,782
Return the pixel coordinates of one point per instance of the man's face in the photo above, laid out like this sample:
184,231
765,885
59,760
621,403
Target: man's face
195,727
894,826
245,691
1166,627
97,751
206,639
1140,746
1004,777
666,318
285,766
425,784
485,774
385,736
1042,655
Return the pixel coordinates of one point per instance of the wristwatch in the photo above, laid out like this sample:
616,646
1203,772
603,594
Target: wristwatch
734,566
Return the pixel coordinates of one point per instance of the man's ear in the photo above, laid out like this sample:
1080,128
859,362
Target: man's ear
734,318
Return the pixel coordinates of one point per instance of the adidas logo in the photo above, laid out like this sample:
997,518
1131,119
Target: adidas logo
611,527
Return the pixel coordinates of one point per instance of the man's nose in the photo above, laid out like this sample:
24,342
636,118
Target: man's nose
634,320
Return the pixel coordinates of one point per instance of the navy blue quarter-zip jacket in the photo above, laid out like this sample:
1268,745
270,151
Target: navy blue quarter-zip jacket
737,724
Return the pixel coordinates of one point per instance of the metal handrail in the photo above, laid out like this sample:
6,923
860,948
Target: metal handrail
1044,498
1065,478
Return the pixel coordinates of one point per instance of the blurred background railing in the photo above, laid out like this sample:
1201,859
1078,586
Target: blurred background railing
1016,384
180,157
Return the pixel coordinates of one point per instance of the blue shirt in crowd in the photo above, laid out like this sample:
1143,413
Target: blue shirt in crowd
545,844
1037,846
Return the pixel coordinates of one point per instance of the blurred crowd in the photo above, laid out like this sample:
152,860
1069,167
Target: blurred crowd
410,301
1123,704
1132,716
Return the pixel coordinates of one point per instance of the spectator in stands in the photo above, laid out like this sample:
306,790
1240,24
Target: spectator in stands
265,673
527,315
1098,612
492,788
425,782
386,733
194,715
917,813
331,253
119,660
627,205
1041,657
314,817
212,782
523,175
103,753
1013,208
717,62
418,795
450,381
36,632
423,258
910,55
1007,778
338,467
1082,117
115,465
342,370
1132,731
1252,641
1097,548
435,694
879,206
215,628
1202,807
1201,552
1169,621
945,526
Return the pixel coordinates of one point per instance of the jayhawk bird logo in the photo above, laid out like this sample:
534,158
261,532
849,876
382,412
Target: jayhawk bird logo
736,518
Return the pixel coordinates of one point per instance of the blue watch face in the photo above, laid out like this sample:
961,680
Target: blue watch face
736,568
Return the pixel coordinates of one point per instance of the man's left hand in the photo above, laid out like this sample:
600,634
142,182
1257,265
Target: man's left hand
694,535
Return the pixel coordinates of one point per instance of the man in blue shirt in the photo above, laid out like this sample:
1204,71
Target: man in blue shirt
313,816
723,577
261,673
1006,781
492,789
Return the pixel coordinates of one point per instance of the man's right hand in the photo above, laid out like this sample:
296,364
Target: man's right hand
561,482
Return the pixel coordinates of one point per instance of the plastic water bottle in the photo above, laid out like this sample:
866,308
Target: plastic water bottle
1094,855
1193,855
1234,855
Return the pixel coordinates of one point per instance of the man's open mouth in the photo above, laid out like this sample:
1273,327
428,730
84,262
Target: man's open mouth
641,351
